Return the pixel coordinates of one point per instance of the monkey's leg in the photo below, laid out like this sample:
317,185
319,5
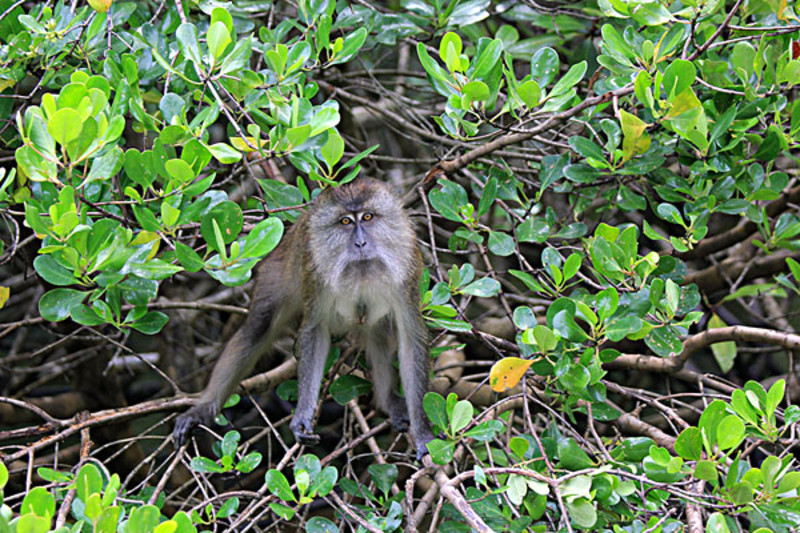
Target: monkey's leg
247,345
313,344
412,353
380,349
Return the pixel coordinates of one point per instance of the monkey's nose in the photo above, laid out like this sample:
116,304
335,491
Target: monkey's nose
360,243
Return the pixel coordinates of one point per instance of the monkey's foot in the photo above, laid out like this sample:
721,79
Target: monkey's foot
186,423
421,442
421,452
304,431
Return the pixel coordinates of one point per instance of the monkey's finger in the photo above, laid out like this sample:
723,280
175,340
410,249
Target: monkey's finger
184,426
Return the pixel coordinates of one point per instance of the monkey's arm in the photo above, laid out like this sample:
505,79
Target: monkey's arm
274,305
313,343
241,353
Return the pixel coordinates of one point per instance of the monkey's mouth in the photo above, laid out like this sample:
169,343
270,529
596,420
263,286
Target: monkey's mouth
366,266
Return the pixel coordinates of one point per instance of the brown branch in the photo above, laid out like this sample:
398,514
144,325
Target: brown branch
447,487
712,279
514,138
740,232
702,48
790,341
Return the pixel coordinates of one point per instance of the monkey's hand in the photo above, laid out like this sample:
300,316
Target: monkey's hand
303,430
186,423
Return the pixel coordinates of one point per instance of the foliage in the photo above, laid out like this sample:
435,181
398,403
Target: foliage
609,194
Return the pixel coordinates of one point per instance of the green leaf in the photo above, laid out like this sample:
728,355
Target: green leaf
792,414
156,269
730,432
319,524
582,512
224,153
249,462
724,352
323,120
533,229
576,378
467,12
441,451
689,444
4,475
485,431
298,135
484,288
151,323
229,218
500,243
218,39
52,272
40,502
348,387
706,470
587,148
544,66
436,74
462,416
106,166
279,486
530,93
678,76
180,170
285,512
448,200
88,481
607,301
487,59
352,44
65,125
435,407
333,149
187,39
383,475
475,91
571,455
263,238
56,304
664,341
569,80
450,48
204,464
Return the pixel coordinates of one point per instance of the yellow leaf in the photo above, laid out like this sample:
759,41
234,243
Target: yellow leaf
243,146
507,372
635,140
5,292
101,6
145,236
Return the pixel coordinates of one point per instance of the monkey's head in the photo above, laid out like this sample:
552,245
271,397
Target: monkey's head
360,231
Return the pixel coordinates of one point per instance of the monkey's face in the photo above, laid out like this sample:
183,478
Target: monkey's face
358,228
360,231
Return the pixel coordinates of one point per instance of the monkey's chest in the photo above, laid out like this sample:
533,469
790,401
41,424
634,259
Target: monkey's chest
358,308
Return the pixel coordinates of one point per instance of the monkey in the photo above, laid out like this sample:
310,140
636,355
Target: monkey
359,264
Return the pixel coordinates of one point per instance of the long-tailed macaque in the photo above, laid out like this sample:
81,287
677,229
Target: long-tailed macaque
349,264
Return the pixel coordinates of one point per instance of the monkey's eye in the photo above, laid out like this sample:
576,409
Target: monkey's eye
345,220
366,217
